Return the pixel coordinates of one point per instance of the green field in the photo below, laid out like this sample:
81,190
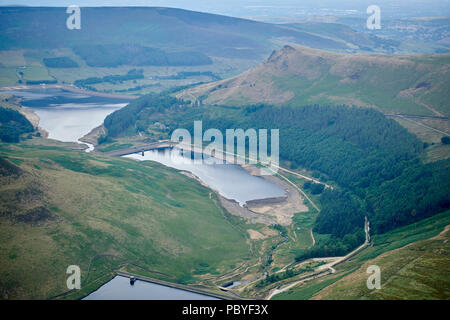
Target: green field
70,206
35,73
27,65
12,58
8,76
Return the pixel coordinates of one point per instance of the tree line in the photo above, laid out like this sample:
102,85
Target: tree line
60,62
12,125
114,55
133,74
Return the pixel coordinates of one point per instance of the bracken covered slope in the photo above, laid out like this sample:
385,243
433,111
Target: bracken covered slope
296,75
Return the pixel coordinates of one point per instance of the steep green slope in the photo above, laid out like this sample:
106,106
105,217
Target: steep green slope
415,85
61,208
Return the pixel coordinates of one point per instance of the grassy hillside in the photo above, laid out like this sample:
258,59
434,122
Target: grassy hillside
157,27
61,207
36,46
163,40
413,261
415,85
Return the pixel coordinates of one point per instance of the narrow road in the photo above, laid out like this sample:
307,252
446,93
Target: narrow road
313,240
416,117
304,177
139,149
301,191
424,125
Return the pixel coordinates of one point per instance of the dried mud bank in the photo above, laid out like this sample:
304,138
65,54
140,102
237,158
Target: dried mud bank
281,209
235,209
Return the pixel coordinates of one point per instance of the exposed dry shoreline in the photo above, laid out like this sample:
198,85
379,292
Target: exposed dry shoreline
34,119
282,209
232,206
268,211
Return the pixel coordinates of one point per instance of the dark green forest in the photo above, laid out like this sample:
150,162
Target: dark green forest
132,74
373,160
113,55
60,62
12,125
40,82
187,74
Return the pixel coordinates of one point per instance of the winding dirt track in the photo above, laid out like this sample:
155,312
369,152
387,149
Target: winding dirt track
326,268
313,240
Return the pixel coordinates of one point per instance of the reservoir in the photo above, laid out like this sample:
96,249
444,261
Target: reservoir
68,116
119,288
65,115
230,180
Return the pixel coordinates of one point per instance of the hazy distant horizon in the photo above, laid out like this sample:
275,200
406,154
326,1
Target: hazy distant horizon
267,9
